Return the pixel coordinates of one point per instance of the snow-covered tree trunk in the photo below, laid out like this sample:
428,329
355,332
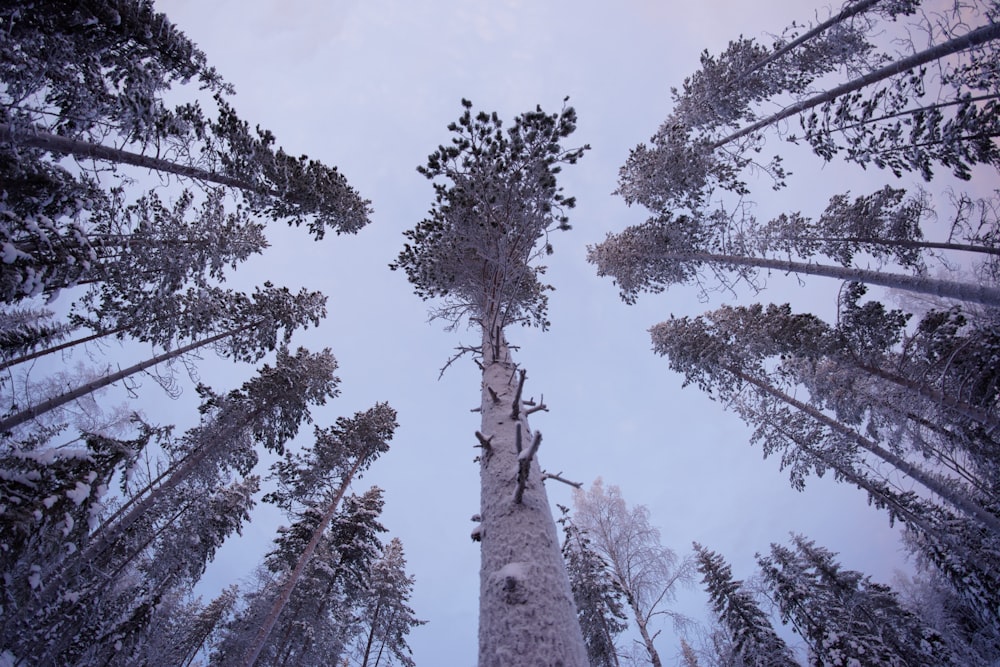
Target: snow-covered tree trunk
527,615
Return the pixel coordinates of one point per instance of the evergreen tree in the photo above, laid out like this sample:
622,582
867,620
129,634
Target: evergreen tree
844,616
598,599
754,641
314,484
384,609
497,200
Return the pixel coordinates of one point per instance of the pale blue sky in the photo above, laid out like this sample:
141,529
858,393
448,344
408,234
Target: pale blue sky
370,87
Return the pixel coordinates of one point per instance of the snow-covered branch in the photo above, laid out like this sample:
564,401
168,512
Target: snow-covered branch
524,464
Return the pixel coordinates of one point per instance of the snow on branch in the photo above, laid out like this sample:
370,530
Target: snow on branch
536,408
524,464
516,410
484,442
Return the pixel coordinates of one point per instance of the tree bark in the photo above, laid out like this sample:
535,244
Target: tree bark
253,652
947,289
643,625
527,615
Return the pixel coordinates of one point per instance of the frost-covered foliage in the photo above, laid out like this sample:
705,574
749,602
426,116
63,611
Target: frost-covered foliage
310,488
599,599
873,115
845,618
867,402
322,617
384,611
754,641
98,71
492,216
860,236
91,594
648,573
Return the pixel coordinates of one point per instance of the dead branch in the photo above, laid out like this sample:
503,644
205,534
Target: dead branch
536,408
462,350
517,397
493,394
484,442
524,465
559,478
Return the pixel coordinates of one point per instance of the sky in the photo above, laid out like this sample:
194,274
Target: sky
370,87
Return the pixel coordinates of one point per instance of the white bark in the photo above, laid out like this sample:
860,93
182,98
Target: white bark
527,615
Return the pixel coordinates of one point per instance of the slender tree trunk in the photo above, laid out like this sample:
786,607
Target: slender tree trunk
957,498
982,35
641,622
59,348
947,289
253,652
38,138
895,243
371,635
527,615
109,379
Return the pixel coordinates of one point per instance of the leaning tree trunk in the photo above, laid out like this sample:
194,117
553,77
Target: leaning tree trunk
981,35
956,497
971,292
83,390
527,615
253,652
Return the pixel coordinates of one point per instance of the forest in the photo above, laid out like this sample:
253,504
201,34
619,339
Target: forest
198,461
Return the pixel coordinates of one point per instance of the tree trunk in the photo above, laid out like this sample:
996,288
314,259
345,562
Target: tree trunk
53,143
947,289
60,347
982,35
109,379
957,498
642,623
371,635
527,615
895,243
253,652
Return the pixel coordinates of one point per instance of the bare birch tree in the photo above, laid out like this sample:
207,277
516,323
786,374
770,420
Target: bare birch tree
646,571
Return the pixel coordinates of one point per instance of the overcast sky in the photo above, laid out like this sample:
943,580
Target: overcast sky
370,86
